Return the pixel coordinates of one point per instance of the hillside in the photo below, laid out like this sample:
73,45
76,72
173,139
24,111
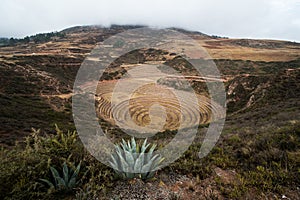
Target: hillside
42,74
261,138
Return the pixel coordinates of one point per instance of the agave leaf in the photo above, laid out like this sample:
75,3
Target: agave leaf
151,162
113,165
54,174
137,150
65,172
152,148
153,158
139,163
129,159
124,143
144,146
156,163
125,147
119,154
150,168
76,172
146,168
128,144
71,183
60,182
114,157
119,150
161,160
117,147
135,155
48,182
145,142
133,145
123,164
150,152
114,162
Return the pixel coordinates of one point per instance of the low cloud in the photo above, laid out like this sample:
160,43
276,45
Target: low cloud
273,19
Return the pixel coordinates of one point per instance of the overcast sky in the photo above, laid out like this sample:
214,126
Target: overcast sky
273,19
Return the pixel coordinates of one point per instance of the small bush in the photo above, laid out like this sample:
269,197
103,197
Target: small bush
23,166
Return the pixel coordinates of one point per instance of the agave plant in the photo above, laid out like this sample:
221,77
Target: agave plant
67,181
131,160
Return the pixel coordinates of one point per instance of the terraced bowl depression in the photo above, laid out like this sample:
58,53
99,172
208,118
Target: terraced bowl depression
152,107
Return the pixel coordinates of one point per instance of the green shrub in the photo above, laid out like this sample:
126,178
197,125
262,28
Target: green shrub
23,165
19,172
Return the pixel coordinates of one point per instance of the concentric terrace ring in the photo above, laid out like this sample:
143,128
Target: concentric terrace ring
174,111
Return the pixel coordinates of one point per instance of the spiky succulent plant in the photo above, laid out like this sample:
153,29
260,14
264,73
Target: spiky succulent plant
65,182
130,160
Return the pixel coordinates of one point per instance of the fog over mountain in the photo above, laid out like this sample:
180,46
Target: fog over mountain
272,19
